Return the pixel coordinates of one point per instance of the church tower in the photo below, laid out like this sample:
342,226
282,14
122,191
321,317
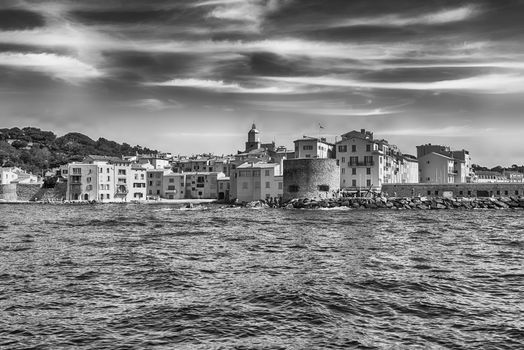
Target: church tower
253,139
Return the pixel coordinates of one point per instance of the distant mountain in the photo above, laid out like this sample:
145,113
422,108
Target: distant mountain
35,150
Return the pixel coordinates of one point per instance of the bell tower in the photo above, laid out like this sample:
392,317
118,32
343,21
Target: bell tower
253,139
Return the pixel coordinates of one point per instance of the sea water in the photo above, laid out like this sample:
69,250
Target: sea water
159,277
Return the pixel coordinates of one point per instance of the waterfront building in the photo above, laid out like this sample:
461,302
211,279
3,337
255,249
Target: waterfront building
255,181
224,188
138,185
155,182
368,163
191,185
312,147
82,182
439,164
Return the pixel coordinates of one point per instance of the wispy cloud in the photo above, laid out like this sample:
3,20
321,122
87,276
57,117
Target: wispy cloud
156,105
221,86
437,18
61,67
489,83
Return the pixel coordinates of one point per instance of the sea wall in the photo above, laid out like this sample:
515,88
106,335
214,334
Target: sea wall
310,178
8,193
417,203
454,190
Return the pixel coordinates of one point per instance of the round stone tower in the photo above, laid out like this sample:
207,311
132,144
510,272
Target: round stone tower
311,178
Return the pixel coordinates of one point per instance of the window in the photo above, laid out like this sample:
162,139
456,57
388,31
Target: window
221,186
200,179
280,185
293,188
121,172
505,193
257,184
353,148
150,183
170,188
109,178
267,173
268,184
429,193
77,171
100,170
368,171
101,196
108,196
368,182
343,148
353,160
308,148
89,188
343,170
88,179
461,193
245,185
150,175
158,183
101,187
171,180
343,159
368,148
256,172
323,188
354,183
353,171
436,193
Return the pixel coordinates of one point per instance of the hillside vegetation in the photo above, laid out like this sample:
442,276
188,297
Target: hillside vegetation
36,150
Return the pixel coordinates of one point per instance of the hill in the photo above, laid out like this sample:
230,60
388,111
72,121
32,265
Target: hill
35,150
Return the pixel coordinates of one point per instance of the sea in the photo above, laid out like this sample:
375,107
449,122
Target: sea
141,276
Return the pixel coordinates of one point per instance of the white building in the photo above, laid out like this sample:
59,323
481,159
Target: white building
366,163
311,147
255,181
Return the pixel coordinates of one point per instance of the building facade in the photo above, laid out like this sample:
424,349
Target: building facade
256,181
366,163
311,147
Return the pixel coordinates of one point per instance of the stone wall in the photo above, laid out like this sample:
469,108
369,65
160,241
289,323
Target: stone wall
454,190
310,178
8,193
27,192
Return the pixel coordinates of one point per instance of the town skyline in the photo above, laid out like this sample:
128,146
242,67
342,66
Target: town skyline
191,78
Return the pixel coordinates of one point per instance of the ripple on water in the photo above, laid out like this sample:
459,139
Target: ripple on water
159,277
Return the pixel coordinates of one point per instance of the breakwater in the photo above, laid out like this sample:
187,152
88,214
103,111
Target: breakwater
397,203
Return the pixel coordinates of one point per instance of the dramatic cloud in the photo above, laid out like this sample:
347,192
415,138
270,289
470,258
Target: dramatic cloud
401,66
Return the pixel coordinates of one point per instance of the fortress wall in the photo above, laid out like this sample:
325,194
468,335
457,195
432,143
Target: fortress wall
455,190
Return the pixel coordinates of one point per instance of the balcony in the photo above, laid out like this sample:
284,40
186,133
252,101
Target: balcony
369,163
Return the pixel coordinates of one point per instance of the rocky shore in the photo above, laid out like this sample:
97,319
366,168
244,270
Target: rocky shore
405,203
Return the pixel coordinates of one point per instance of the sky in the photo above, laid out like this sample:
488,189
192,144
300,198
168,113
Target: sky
190,77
